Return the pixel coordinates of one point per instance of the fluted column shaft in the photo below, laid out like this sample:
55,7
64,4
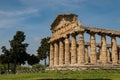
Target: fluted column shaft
74,50
61,53
103,54
67,51
56,54
108,55
51,55
81,51
93,58
86,54
114,50
119,56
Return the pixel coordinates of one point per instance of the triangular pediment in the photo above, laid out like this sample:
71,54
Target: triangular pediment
62,20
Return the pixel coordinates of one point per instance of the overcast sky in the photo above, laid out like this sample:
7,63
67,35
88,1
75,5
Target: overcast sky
35,16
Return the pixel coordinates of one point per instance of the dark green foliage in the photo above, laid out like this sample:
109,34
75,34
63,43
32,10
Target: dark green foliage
43,50
33,60
38,66
5,58
18,49
3,61
2,69
23,68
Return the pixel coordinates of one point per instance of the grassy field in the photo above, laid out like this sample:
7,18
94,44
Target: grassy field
84,75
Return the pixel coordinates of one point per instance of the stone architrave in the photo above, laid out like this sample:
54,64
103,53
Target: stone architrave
81,51
86,55
56,54
67,51
73,50
61,53
103,55
51,55
93,58
108,55
114,50
69,54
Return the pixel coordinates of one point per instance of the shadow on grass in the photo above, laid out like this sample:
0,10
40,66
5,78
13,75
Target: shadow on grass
72,79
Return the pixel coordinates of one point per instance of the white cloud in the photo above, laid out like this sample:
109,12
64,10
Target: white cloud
12,18
53,4
18,12
37,39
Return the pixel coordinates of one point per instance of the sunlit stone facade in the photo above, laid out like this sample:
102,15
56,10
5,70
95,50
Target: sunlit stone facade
69,49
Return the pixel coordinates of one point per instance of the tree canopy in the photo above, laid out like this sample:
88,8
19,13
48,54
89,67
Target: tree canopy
33,59
18,55
18,49
43,50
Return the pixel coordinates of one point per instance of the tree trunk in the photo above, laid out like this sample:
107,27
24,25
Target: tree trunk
14,67
8,66
45,62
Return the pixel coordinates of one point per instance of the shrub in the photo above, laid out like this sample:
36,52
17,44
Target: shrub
2,69
38,66
22,68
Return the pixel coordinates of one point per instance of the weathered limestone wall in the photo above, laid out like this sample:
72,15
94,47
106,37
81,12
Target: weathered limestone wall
68,47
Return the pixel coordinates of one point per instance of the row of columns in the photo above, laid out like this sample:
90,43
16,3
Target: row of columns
61,53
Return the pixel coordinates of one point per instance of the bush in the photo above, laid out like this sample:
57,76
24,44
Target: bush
23,68
2,69
38,66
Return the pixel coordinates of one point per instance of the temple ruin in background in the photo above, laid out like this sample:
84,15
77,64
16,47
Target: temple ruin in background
68,48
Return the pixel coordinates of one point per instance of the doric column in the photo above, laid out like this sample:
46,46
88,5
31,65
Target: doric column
67,51
51,55
56,54
86,55
103,54
119,56
114,50
73,50
61,53
108,55
98,54
81,51
93,58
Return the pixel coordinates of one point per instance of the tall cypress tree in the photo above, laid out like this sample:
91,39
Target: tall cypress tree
18,49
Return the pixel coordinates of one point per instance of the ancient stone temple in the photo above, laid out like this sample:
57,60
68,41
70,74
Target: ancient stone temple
68,49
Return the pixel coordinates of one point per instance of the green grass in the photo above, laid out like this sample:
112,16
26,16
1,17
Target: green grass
84,74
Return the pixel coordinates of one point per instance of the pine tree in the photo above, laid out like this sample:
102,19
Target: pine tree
43,50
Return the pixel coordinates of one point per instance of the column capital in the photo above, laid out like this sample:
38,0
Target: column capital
61,39
91,32
86,46
73,34
66,36
112,35
81,30
102,34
